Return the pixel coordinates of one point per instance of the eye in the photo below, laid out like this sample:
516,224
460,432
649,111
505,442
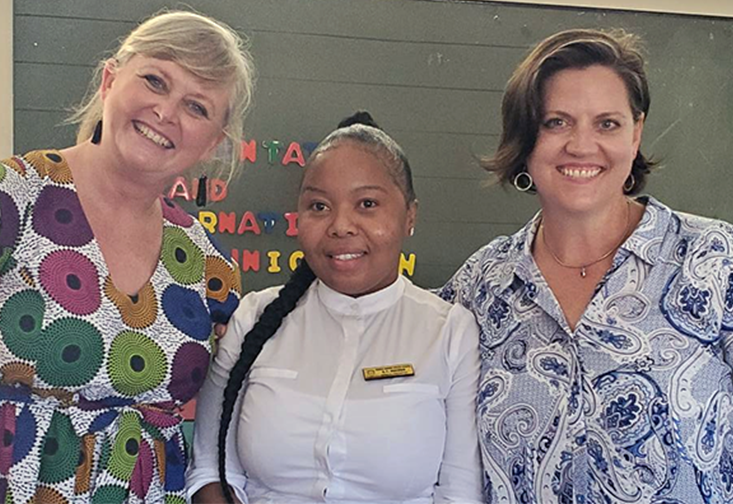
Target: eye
554,123
318,206
197,109
155,83
609,124
368,203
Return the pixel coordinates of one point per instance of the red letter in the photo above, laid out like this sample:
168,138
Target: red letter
250,260
293,155
227,222
217,189
292,218
248,151
249,223
179,189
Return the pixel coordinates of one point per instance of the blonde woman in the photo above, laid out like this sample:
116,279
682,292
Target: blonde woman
108,291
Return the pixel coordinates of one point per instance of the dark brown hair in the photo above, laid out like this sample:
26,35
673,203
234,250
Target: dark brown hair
522,106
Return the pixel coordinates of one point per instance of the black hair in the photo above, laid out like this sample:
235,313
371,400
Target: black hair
267,325
361,128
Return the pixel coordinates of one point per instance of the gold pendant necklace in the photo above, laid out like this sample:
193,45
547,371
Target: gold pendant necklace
583,267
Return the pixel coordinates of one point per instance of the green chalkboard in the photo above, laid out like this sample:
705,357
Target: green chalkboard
432,74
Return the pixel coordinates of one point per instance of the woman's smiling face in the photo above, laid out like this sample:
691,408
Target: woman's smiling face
587,140
160,118
352,219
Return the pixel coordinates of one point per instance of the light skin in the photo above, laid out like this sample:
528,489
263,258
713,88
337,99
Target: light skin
586,144
159,120
353,219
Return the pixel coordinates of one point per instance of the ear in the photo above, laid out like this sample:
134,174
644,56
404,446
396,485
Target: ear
638,129
108,76
411,218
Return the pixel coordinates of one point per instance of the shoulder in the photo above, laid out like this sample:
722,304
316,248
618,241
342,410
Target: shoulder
430,304
22,177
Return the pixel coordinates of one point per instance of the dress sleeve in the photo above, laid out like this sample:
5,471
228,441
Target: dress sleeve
16,194
461,475
223,282
204,467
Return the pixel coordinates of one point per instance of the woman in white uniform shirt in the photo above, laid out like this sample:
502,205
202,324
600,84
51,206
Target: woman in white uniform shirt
307,426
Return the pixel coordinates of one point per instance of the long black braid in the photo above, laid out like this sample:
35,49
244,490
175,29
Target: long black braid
268,323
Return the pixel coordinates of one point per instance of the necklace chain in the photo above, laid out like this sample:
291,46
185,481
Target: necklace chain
584,267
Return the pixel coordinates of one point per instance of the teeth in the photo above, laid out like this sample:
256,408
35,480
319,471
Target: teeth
347,257
578,173
153,136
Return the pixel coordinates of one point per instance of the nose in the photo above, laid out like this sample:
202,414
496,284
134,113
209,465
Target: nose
165,109
581,141
342,224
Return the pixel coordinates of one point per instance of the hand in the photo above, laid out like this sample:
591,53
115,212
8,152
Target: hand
220,330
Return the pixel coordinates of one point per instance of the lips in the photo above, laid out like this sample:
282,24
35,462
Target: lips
346,256
152,135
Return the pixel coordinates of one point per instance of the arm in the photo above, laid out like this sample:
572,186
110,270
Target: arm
460,478
203,474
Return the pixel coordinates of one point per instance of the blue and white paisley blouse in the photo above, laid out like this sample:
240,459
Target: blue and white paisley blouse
636,404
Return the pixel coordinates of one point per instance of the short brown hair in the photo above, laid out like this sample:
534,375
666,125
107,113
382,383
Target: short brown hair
522,106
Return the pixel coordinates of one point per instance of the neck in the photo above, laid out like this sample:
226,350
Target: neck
579,239
106,185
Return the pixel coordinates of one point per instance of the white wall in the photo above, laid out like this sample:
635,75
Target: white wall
6,78
703,7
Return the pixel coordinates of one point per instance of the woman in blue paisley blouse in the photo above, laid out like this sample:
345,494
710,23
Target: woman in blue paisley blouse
605,321
107,289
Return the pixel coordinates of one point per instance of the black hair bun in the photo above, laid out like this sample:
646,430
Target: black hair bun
359,117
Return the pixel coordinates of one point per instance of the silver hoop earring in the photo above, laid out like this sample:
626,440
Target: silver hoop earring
629,183
523,181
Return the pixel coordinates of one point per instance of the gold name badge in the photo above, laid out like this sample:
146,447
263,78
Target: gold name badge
393,371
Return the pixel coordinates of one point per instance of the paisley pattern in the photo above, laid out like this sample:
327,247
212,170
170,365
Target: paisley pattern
89,376
636,404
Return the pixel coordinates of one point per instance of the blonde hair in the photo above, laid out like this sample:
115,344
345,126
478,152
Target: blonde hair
201,45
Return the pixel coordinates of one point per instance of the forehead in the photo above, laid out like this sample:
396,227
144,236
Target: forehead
599,85
349,163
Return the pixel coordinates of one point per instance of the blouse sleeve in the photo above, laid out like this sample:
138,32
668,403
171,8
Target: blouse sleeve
460,478
204,467
17,191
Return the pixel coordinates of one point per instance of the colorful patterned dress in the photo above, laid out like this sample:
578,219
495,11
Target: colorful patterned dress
89,376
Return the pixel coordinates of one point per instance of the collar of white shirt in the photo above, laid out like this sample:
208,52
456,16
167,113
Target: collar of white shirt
362,305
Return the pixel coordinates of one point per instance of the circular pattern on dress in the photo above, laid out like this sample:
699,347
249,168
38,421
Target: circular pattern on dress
137,311
181,257
71,354
10,219
25,434
2,172
21,320
60,451
174,499
46,495
14,163
136,364
221,312
175,465
85,465
58,216
17,372
109,494
187,312
50,163
126,447
7,436
175,214
142,476
188,371
72,281
219,278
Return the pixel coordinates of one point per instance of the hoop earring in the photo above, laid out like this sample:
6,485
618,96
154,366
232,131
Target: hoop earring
629,183
523,181
97,135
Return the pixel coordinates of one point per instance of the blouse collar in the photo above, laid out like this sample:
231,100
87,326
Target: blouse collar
645,242
362,305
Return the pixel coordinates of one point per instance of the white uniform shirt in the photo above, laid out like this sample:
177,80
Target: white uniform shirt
309,428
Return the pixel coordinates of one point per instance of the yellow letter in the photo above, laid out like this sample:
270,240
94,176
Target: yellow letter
208,219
